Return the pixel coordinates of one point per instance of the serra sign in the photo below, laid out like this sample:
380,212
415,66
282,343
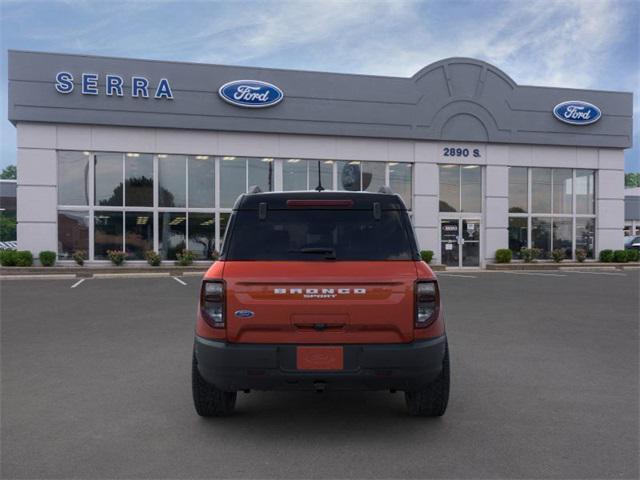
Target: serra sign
113,85
250,93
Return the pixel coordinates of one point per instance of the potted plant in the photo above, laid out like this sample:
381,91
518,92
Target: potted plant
79,256
581,255
558,255
117,257
184,258
153,258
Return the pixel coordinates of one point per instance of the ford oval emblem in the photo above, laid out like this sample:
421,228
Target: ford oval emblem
244,313
250,93
577,112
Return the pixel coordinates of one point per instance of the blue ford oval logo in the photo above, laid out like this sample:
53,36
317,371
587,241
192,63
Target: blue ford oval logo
250,93
243,313
577,112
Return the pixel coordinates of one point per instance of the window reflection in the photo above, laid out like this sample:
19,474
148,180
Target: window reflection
471,188
172,231
138,170
261,173
294,174
108,179
373,176
326,174
73,178
233,180
562,235
541,190
202,235
73,233
585,235
449,188
172,189
202,182
517,235
518,190
107,233
400,181
585,192
541,235
138,234
562,190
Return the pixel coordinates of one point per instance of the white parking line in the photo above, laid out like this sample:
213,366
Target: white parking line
178,280
598,273
536,273
455,275
78,283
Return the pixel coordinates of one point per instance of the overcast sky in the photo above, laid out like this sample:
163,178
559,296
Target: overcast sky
564,43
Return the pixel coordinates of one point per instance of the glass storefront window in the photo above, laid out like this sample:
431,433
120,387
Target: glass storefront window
373,176
541,235
172,187
172,232
518,190
349,175
138,237
541,190
562,190
585,235
471,188
517,235
202,235
585,192
224,221
260,173
400,179
108,179
294,174
449,188
326,174
562,235
202,182
233,180
107,233
138,173
73,178
73,233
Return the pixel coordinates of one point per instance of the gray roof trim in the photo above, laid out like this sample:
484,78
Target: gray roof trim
455,99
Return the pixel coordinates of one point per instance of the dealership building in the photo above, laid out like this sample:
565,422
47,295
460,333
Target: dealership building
138,155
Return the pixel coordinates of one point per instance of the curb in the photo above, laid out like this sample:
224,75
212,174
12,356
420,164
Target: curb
561,266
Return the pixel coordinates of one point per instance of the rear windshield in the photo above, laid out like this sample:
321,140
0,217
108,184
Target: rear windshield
319,235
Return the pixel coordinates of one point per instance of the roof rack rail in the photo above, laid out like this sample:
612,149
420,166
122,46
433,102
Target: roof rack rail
386,189
254,189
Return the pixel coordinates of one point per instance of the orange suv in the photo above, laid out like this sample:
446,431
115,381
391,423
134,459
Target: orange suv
319,291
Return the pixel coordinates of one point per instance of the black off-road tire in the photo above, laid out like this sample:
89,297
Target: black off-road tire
209,400
432,400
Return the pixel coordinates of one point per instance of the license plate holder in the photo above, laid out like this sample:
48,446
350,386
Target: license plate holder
320,358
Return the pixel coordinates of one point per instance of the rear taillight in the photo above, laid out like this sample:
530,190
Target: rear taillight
212,298
427,303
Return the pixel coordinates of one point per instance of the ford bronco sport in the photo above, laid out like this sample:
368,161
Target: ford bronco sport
315,291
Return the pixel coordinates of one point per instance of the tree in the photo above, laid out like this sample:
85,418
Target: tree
632,179
9,173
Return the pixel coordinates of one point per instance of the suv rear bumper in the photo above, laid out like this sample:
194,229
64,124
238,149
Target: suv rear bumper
234,366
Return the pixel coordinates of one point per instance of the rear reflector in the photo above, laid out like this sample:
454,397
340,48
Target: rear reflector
319,203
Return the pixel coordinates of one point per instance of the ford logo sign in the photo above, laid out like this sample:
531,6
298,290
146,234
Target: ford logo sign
244,313
250,93
577,112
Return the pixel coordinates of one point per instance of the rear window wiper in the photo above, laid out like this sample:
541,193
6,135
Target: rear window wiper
330,253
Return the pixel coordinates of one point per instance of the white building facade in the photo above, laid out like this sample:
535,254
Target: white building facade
481,162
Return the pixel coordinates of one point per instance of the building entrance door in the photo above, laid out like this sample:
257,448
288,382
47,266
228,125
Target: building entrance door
460,242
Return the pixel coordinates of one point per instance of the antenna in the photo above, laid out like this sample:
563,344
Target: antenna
319,188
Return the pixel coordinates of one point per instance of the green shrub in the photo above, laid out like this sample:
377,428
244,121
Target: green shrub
526,254
581,254
606,256
24,258
426,255
79,256
620,256
117,257
153,258
558,255
8,258
503,255
184,258
633,255
47,258
215,255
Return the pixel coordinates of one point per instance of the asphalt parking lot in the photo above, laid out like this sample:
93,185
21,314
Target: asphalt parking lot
96,384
